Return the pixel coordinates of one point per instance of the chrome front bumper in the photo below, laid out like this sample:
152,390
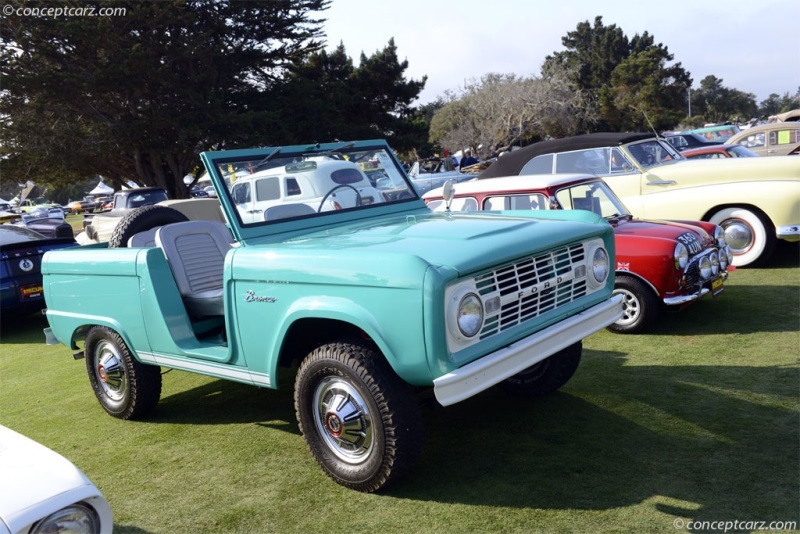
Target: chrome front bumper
493,368
702,292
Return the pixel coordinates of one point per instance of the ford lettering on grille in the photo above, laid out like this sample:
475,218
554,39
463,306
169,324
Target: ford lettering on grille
533,286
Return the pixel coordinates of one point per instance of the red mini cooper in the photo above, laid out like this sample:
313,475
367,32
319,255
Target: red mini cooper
659,264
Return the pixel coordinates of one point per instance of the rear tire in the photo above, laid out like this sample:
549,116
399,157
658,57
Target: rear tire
359,420
142,219
125,388
548,375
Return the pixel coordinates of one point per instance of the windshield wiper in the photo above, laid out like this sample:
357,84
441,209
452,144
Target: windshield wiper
269,157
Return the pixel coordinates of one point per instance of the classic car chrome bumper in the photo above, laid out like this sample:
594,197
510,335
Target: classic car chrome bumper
493,368
790,232
702,292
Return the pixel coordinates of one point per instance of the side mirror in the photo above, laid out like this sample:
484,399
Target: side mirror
448,192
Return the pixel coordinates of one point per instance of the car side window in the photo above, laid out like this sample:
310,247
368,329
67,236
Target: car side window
538,165
458,204
292,187
241,193
268,189
784,137
516,202
755,140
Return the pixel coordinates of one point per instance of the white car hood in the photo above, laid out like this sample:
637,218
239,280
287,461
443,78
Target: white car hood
32,475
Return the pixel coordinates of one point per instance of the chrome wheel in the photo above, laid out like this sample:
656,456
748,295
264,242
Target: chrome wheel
631,307
110,371
343,420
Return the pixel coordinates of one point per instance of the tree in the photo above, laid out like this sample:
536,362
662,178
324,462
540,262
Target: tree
644,93
775,104
716,103
324,97
614,71
500,111
140,94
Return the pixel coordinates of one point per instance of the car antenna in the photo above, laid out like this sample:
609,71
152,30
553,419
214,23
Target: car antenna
650,123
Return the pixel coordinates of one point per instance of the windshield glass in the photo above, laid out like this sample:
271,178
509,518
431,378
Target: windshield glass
653,152
596,197
299,182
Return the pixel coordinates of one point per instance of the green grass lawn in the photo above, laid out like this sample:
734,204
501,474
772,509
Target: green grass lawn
697,421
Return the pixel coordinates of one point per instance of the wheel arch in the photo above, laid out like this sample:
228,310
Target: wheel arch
78,327
743,205
307,327
631,274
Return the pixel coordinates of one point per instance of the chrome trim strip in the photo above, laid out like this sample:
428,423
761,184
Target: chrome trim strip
206,368
485,372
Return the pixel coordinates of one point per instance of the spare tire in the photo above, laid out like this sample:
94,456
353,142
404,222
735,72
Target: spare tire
143,219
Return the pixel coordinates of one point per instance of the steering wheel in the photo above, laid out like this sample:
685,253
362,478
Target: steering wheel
340,186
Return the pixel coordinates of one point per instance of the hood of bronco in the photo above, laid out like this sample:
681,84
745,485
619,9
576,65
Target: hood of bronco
464,242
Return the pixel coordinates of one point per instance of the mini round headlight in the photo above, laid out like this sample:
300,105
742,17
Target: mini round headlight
705,268
681,256
719,236
470,315
723,259
714,257
600,265
729,254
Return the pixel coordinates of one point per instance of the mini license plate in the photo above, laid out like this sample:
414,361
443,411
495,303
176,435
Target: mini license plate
716,285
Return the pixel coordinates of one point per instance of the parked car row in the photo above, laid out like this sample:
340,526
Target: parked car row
754,200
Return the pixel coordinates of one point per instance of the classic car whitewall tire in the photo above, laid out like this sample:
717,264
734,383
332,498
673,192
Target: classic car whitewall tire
359,420
125,388
750,235
548,375
640,306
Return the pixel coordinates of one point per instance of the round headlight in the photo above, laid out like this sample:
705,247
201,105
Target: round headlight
723,259
719,236
74,518
470,315
600,265
705,268
729,254
714,263
681,256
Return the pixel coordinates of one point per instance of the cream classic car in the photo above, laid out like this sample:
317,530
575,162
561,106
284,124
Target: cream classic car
755,200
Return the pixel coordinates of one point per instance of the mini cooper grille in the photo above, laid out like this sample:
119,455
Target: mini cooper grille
691,275
533,286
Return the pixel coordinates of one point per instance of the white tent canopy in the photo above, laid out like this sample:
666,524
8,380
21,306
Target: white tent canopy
102,189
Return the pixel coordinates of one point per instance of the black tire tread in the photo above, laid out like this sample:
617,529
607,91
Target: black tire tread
142,219
648,301
144,380
396,405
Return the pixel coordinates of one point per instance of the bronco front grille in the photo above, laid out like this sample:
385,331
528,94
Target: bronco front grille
533,286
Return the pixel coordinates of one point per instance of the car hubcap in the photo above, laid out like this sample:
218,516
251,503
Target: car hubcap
631,307
738,235
343,420
110,371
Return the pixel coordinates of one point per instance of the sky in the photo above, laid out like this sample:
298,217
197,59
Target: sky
752,46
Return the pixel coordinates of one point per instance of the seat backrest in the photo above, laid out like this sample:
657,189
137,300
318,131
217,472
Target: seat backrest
284,211
143,239
195,251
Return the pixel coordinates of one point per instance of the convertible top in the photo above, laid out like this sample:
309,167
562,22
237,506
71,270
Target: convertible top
511,164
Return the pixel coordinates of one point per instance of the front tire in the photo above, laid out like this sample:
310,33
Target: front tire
640,306
359,420
548,375
125,388
750,235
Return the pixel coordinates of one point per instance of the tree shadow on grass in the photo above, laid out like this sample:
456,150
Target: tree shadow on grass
703,437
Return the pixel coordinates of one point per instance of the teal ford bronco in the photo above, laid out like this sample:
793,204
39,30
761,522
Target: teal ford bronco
346,279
